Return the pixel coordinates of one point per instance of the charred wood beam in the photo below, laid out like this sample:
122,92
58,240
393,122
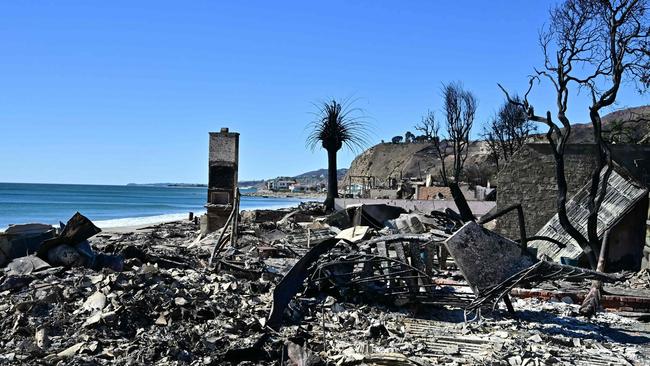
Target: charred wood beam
461,203
292,282
401,237
520,215
546,238
429,253
218,245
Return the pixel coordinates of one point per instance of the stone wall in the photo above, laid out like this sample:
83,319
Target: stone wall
529,179
431,193
379,193
479,208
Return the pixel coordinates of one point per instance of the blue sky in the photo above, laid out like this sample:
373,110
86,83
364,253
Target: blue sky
126,91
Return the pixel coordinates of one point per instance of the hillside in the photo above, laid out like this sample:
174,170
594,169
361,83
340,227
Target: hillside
314,177
634,127
408,160
320,174
418,159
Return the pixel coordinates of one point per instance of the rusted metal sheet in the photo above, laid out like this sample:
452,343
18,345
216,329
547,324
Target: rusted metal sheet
76,230
623,192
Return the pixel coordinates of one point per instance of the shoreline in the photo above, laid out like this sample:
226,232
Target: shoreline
272,194
135,223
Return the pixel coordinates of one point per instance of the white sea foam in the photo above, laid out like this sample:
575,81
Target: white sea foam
133,221
140,221
159,219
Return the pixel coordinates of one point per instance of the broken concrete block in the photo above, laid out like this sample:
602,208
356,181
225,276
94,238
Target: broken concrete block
485,258
21,240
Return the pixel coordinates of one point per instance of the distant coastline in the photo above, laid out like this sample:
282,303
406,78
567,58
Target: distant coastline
314,178
182,185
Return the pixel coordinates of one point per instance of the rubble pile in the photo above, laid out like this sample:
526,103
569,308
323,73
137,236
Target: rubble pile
364,286
162,308
640,280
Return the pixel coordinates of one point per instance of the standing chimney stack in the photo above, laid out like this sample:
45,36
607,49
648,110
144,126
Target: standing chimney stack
223,164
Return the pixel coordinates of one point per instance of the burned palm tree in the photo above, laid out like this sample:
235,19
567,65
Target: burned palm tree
336,124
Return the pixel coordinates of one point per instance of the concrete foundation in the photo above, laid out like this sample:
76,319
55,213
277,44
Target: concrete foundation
479,208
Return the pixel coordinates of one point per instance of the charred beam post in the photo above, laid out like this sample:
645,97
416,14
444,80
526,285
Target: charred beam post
461,203
520,215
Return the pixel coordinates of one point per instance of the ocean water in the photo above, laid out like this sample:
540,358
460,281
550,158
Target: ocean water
110,206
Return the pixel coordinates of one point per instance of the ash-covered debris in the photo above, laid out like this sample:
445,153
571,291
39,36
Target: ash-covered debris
294,289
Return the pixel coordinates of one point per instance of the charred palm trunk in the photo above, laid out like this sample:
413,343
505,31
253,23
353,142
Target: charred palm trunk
332,180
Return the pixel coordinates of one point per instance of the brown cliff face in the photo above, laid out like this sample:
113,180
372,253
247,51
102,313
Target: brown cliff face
419,159
410,160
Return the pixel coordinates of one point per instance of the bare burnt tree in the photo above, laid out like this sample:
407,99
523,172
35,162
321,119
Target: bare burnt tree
459,107
507,131
591,45
477,174
427,125
621,132
430,127
494,150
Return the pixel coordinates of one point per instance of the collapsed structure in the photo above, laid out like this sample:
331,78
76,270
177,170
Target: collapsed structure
529,179
369,284
623,212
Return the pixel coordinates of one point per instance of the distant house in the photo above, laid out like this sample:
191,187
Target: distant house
280,183
301,188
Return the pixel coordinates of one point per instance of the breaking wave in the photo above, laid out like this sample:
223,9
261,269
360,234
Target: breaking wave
111,206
